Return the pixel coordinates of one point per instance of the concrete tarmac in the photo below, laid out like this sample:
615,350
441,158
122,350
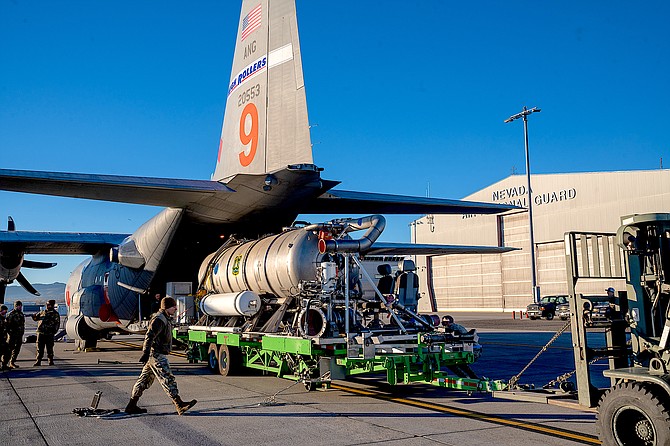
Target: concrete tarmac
37,404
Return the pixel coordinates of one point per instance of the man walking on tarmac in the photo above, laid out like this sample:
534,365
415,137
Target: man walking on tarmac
157,346
47,327
16,327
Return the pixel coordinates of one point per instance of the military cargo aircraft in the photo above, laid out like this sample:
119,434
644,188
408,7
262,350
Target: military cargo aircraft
264,178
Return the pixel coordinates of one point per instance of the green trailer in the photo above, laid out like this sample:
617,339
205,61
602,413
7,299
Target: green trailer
404,359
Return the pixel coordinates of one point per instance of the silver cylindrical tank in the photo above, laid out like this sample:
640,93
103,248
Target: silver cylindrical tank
270,265
244,303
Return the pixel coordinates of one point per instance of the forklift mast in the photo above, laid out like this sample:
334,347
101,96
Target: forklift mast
591,255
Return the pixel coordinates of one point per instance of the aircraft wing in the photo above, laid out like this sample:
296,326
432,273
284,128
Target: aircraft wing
166,192
343,202
381,248
31,242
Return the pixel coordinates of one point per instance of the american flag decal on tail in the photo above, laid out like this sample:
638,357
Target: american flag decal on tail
251,22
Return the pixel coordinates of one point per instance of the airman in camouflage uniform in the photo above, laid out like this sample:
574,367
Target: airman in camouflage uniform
47,327
157,347
3,335
16,327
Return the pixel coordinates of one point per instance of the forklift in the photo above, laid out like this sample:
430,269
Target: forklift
635,409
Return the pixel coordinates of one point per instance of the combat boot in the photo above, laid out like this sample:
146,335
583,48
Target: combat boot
183,406
51,361
37,363
14,365
132,407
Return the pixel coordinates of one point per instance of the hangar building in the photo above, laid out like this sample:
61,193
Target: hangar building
584,202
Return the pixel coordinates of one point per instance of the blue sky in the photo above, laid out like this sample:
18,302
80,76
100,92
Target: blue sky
403,95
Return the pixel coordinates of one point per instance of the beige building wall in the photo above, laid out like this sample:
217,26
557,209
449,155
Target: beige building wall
585,202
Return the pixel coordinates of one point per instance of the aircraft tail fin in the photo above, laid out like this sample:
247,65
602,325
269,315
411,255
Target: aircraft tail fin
265,126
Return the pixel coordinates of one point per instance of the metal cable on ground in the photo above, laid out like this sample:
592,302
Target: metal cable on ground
562,378
272,399
515,379
303,377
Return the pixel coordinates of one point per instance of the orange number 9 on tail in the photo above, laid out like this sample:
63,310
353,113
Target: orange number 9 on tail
252,136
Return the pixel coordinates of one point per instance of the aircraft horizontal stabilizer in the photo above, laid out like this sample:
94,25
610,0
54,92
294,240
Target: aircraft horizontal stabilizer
399,249
167,192
350,202
59,242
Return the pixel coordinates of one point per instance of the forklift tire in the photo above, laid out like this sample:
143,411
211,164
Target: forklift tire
550,316
632,413
229,360
213,358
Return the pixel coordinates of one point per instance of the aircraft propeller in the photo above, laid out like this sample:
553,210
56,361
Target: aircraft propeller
11,262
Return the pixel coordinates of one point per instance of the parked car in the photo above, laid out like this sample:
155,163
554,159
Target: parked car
599,310
546,308
563,311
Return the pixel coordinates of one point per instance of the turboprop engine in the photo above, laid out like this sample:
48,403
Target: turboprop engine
11,262
301,281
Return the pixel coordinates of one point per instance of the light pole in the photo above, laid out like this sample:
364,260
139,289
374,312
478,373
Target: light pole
524,115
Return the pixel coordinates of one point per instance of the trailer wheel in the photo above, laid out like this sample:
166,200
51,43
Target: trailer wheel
229,358
633,414
213,358
550,316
